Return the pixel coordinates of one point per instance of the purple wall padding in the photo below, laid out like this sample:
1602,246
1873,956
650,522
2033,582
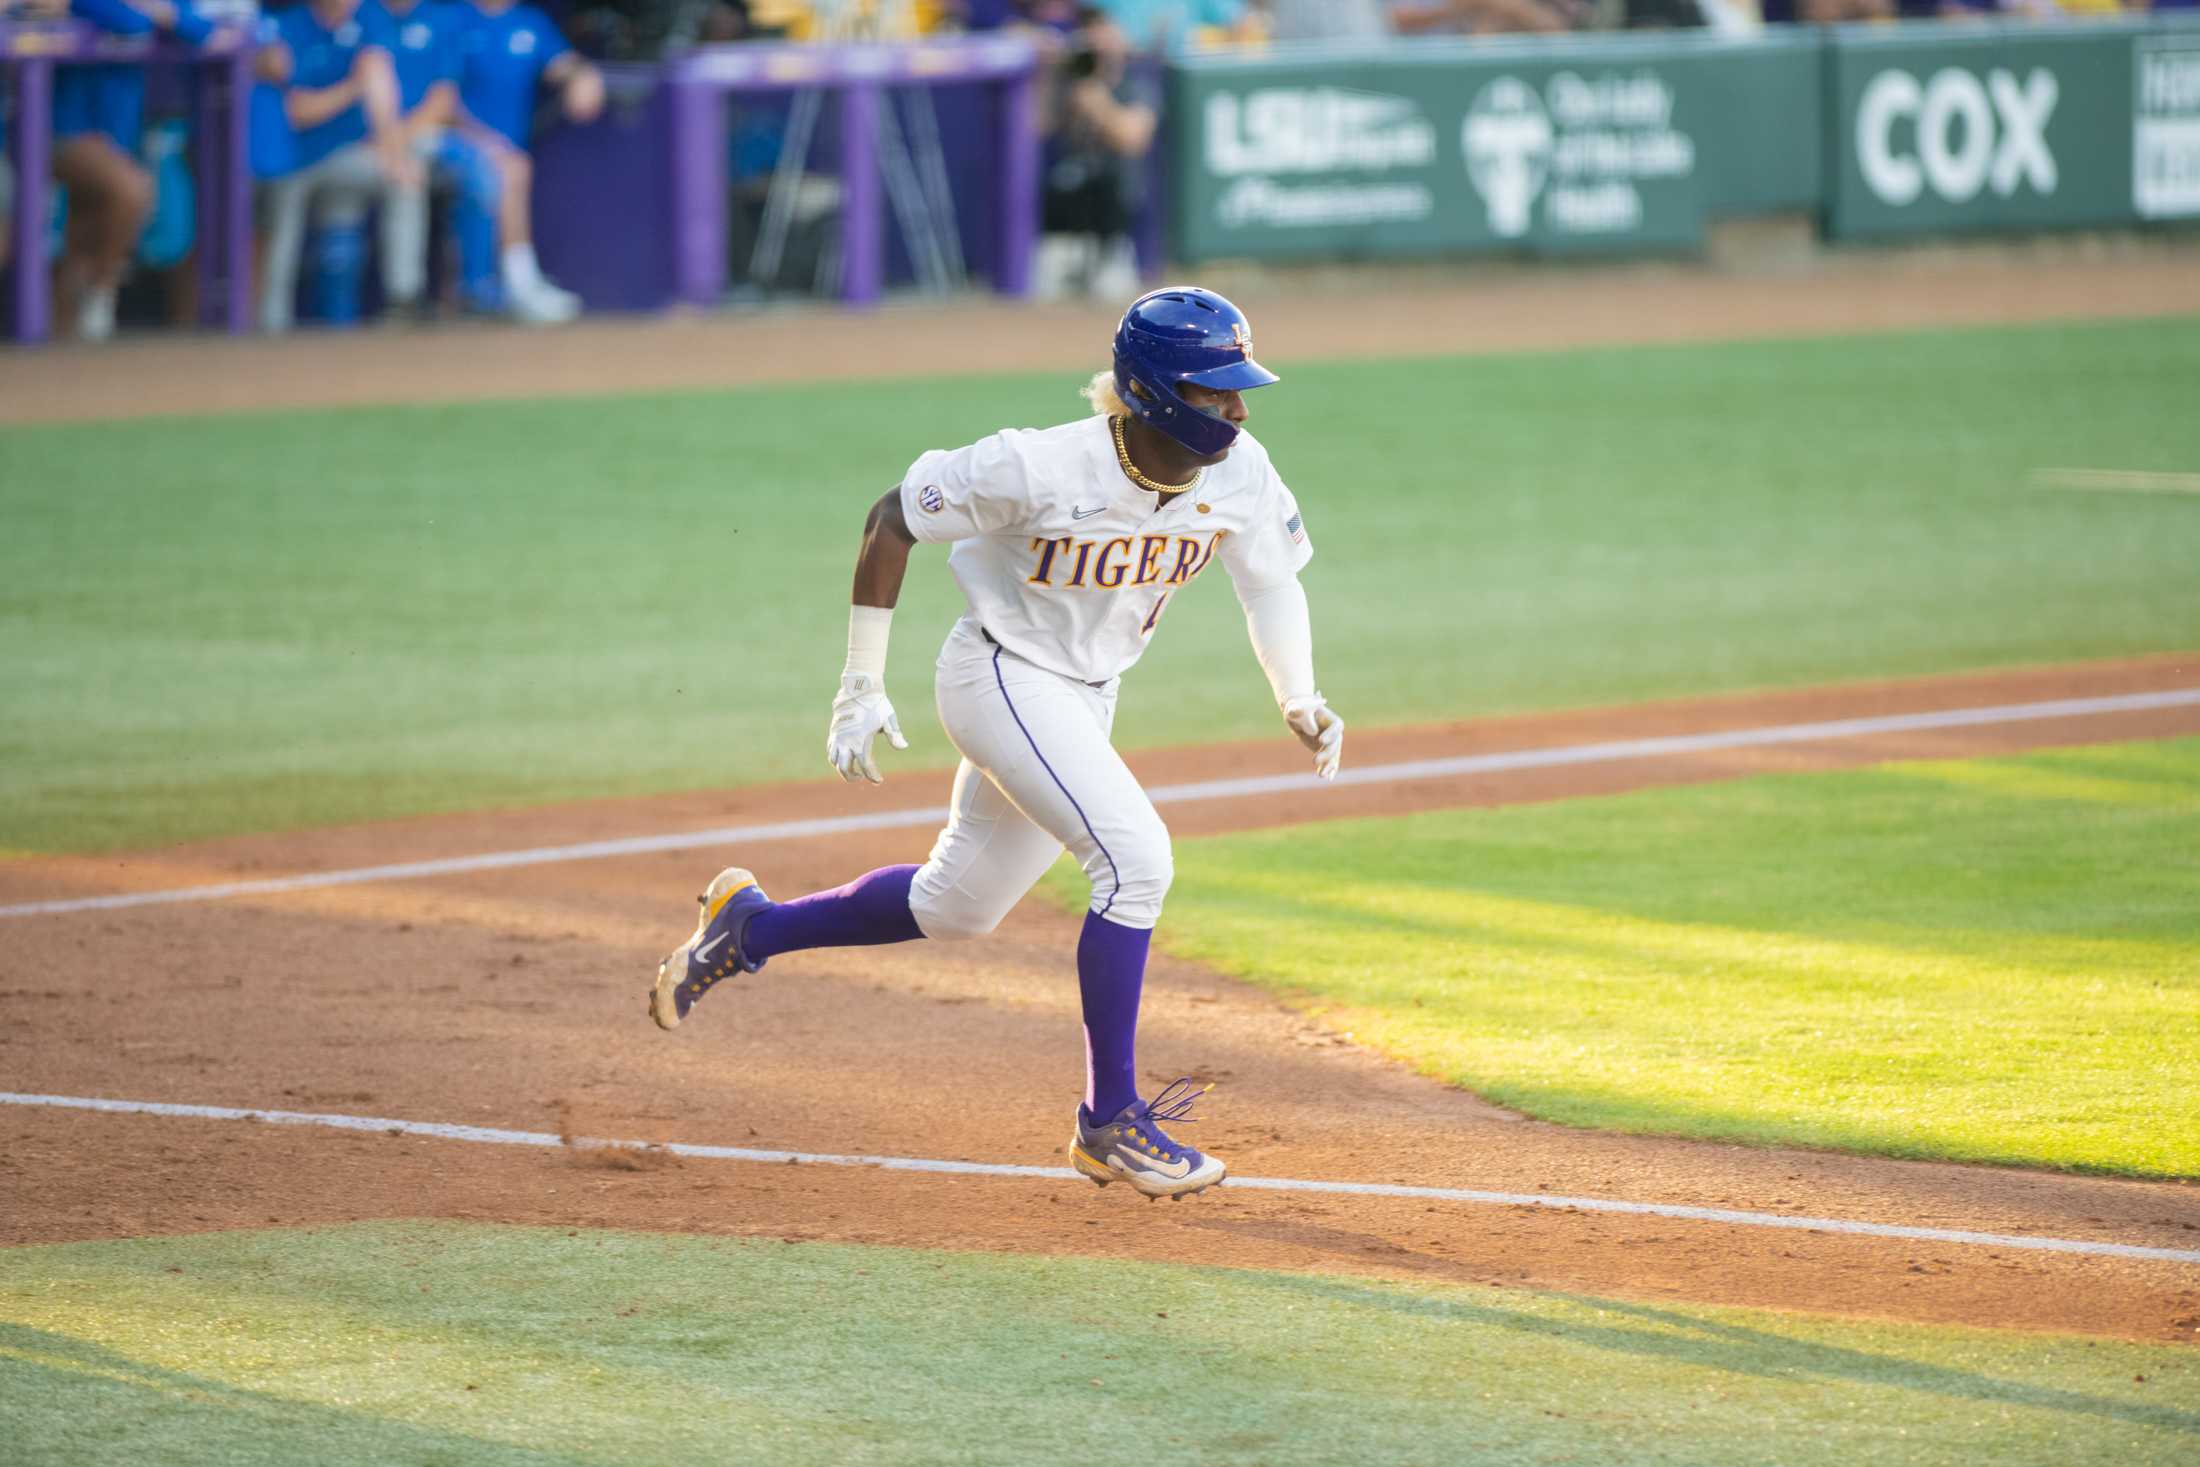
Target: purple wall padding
603,204
603,199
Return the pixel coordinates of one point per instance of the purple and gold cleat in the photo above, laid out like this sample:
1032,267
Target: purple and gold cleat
714,952
1132,1148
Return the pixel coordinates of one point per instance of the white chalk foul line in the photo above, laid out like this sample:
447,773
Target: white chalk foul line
492,1136
1171,794
2139,481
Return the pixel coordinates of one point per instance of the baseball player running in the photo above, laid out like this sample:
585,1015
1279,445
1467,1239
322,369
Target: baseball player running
1069,544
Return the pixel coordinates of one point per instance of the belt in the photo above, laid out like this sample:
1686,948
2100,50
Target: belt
996,642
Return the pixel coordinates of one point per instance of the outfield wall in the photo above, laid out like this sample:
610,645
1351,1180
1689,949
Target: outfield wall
1636,144
1593,145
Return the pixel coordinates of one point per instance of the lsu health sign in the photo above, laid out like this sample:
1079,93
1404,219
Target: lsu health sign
1437,150
2084,125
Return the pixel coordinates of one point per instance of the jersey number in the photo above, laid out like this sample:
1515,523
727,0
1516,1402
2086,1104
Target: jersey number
1154,616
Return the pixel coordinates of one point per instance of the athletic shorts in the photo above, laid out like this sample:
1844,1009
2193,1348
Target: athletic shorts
107,99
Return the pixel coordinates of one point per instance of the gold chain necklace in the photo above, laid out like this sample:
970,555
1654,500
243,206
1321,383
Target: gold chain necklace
1123,457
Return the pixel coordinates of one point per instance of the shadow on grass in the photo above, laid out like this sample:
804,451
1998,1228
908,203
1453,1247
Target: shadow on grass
1739,1350
64,1400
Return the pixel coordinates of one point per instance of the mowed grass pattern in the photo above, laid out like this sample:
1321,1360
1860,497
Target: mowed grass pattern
466,1345
1993,960
286,620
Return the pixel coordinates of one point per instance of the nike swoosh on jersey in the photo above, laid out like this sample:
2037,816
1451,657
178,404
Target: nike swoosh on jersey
1086,514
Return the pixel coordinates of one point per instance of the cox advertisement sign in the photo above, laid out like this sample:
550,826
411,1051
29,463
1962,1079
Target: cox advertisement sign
2016,128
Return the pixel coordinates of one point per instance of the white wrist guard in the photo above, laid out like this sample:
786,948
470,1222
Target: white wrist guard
868,628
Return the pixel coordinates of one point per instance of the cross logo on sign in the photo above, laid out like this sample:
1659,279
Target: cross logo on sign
1507,141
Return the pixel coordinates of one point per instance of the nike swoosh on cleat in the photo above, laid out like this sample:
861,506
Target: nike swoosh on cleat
702,954
1086,514
1175,1171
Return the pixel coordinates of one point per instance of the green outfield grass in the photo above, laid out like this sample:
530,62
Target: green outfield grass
465,1345
270,621
1996,960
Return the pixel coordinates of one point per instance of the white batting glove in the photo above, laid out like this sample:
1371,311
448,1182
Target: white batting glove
859,713
1320,729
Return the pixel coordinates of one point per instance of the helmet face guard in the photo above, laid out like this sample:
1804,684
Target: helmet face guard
1181,334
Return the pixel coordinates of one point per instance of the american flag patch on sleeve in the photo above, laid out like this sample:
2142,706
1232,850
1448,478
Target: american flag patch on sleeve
1297,529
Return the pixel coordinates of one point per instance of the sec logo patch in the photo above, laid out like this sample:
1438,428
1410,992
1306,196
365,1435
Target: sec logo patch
932,500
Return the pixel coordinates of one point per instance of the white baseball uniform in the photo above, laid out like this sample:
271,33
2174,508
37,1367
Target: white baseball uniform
1068,567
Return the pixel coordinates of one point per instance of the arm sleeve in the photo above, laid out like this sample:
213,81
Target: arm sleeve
1273,549
963,493
116,17
190,25
450,57
1283,639
550,42
376,29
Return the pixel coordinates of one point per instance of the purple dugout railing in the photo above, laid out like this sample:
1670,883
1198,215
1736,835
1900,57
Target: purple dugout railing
858,75
221,161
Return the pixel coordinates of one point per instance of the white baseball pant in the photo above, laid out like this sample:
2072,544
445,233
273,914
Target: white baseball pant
1038,774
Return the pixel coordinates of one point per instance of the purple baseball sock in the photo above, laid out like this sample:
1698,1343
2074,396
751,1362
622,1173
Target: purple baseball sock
869,910
1111,969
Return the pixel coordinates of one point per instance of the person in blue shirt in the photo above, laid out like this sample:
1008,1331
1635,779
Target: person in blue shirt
508,51
345,152
424,38
98,121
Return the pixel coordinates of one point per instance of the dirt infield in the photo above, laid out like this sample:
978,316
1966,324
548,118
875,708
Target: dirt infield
1313,319
515,999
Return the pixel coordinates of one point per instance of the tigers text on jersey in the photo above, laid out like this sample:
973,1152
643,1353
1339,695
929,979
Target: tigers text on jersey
1068,564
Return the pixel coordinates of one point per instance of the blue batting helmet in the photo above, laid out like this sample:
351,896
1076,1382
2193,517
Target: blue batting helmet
1181,334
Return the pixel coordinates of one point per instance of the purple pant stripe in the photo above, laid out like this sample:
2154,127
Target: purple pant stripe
1080,809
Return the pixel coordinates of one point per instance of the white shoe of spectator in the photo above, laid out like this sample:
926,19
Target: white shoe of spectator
1060,266
95,315
1115,273
528,293
539,303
